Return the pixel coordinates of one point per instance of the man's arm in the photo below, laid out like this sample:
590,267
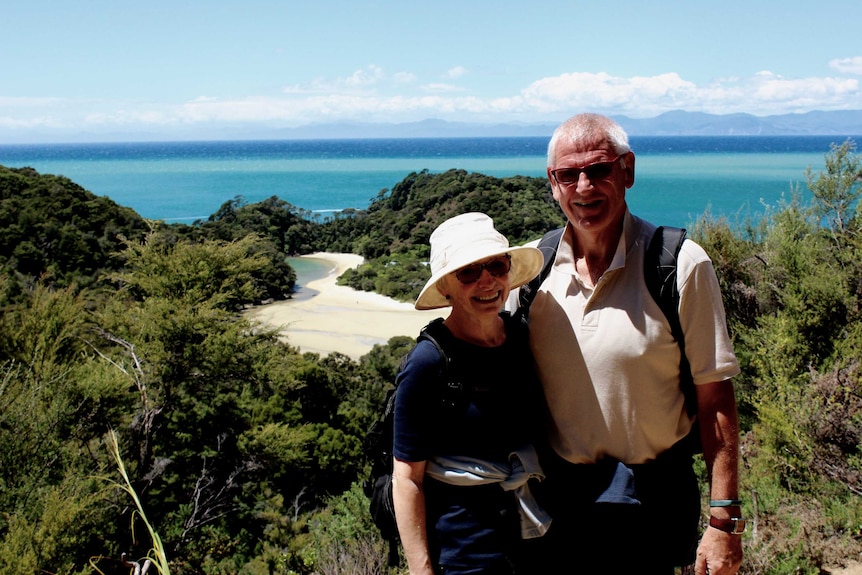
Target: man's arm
720,552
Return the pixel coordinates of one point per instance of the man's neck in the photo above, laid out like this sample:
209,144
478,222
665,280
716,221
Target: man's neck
594,252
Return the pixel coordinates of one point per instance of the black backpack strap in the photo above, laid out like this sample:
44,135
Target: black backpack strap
548,246
660,266
435,332
454,391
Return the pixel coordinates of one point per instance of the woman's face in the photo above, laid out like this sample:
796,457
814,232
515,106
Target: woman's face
482,288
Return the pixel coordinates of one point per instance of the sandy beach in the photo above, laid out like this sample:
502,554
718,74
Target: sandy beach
340,318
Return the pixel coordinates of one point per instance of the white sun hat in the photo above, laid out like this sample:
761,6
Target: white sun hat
466,239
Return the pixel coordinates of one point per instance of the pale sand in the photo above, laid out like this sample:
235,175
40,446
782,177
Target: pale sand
340,318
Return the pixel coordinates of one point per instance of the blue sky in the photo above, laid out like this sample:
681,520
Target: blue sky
165,67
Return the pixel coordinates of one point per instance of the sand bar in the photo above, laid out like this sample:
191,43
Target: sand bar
340,318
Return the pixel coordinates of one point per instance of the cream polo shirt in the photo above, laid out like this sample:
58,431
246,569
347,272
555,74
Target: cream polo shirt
606,357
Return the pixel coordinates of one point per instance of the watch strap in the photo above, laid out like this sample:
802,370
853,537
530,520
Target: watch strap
734,525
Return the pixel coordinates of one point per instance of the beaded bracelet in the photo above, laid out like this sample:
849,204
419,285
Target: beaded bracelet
724,502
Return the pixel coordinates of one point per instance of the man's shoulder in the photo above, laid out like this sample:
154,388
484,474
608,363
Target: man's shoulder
693,251
641,229
690,252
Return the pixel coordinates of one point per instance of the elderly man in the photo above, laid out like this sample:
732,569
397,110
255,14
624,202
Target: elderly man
620,484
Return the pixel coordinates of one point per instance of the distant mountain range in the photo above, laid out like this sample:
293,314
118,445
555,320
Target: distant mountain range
817,123
676,123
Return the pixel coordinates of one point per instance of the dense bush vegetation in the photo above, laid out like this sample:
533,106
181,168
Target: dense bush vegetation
793,292
53,229
246,454
393,237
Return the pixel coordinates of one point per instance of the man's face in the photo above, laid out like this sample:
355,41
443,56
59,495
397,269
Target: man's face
590,185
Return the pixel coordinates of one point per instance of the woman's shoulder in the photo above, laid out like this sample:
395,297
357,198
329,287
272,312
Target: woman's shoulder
424,360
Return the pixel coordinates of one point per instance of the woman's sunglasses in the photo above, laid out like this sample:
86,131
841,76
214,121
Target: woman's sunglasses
497,267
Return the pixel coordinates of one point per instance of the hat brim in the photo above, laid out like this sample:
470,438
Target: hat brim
527,262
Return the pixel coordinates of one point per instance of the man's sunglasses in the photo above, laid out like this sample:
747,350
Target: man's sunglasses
497,267
597,171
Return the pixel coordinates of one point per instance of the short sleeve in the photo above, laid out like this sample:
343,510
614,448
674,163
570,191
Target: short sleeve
414,395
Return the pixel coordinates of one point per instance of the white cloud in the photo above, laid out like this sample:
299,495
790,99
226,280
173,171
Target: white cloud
639,95
371,94
774,90
24,113
847,65
761,94
369,76
456,72
13,123
361,79
441,88
404,78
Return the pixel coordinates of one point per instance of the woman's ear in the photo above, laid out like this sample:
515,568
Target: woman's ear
443,287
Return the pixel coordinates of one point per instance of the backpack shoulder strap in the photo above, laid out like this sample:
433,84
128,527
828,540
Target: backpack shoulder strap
660,265
548,246
660,272
426,333
435,333
431,332
453,389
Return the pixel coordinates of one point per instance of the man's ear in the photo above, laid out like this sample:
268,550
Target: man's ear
628,166
554,188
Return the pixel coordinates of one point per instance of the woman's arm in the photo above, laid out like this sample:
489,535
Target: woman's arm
409,499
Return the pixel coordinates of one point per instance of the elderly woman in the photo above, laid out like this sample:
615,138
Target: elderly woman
465,419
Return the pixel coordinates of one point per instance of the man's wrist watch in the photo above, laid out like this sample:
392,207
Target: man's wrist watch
734,525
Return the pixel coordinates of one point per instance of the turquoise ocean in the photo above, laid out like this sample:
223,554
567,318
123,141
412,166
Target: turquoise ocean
677,178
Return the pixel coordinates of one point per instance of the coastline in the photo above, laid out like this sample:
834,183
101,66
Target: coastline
339,318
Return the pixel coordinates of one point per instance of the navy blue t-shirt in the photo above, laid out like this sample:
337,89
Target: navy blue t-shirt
497,411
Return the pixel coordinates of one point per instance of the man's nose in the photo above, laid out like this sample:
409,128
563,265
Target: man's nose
584,182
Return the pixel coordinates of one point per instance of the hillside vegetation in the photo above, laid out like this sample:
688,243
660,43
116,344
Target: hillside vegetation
393,235
246,454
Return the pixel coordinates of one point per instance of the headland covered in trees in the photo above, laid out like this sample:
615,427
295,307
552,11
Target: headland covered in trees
246,453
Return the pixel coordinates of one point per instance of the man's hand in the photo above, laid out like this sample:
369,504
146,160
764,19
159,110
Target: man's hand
719,553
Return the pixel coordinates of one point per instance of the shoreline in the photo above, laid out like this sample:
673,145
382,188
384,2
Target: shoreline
341,319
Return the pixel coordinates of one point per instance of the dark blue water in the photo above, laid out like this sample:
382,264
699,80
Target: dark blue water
396,148
677,178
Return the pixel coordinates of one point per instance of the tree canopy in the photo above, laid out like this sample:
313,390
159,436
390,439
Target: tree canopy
246,454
